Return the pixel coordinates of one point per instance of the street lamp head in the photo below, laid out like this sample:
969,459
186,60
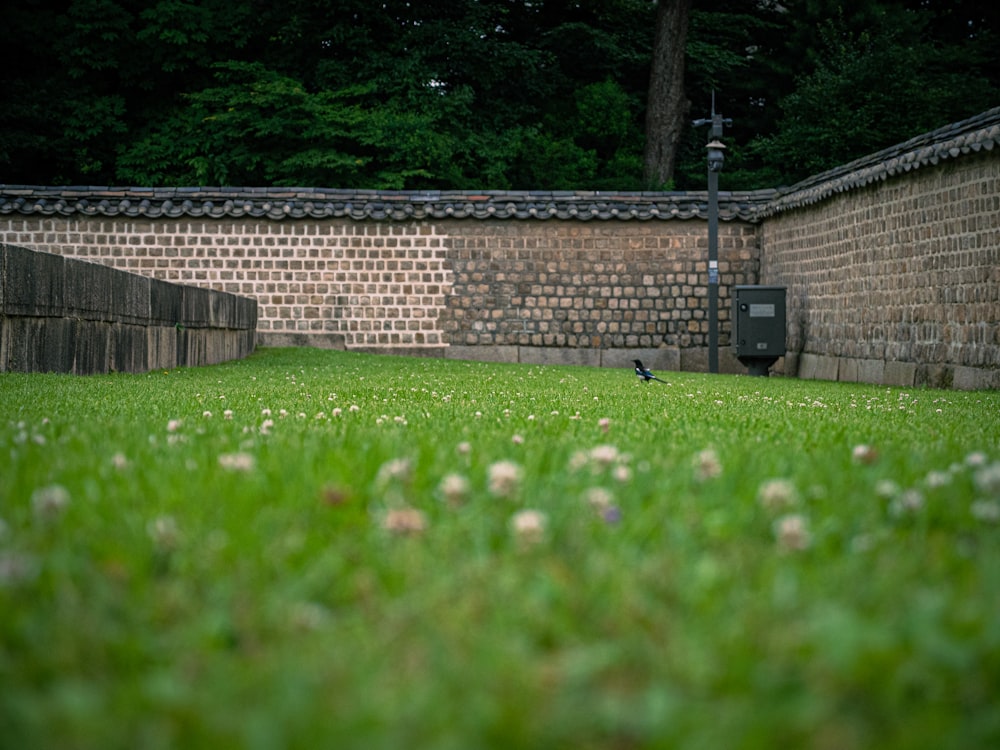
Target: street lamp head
716,155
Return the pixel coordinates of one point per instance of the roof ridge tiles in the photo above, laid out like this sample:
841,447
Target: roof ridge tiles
276,202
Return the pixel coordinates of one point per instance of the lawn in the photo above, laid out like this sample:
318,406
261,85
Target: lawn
315,549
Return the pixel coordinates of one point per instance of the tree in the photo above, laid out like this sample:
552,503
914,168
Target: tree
477,94
879,75
488,94
667,105
738,50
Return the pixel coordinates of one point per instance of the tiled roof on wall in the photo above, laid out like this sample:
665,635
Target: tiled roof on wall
973,135
381,205
968,136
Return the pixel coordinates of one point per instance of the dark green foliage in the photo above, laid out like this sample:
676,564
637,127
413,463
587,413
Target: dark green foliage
486,94
877,79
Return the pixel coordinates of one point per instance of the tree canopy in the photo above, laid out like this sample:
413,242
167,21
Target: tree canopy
472,94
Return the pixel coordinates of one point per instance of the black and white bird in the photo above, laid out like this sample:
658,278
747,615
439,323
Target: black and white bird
643,373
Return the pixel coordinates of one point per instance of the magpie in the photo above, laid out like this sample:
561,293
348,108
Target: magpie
643,373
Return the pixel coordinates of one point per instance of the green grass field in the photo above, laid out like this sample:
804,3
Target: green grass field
314,549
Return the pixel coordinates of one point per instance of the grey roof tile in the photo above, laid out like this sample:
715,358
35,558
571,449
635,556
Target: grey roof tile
320,203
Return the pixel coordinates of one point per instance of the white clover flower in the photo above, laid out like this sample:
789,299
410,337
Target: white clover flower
404,522
528,526
937,479
173,425
987,511
119,461
336,412
707,465
15,568
977,458
396,470
265,427
792,533
517,439
604,424
48,503
463,448
621,473
504,478
864,454
227,414
886,488
907,503
236,461
602,501
164,532
454,488
987,478
776,494
604,455
206,414
599,498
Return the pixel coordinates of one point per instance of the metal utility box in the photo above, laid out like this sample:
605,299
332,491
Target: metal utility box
758,326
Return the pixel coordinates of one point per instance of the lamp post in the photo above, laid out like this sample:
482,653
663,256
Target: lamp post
716,158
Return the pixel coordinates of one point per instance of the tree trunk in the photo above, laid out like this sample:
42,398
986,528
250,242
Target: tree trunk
666,106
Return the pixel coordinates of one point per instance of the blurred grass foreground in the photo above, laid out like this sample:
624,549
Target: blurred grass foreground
312,549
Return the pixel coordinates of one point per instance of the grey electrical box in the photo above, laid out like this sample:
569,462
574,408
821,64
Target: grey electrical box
758,326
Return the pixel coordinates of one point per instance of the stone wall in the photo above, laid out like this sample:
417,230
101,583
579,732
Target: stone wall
555,290
68,316
591,293
897,281
336,283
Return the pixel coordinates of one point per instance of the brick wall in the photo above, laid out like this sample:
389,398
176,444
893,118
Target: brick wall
449,286
333,283
594,285
897,281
